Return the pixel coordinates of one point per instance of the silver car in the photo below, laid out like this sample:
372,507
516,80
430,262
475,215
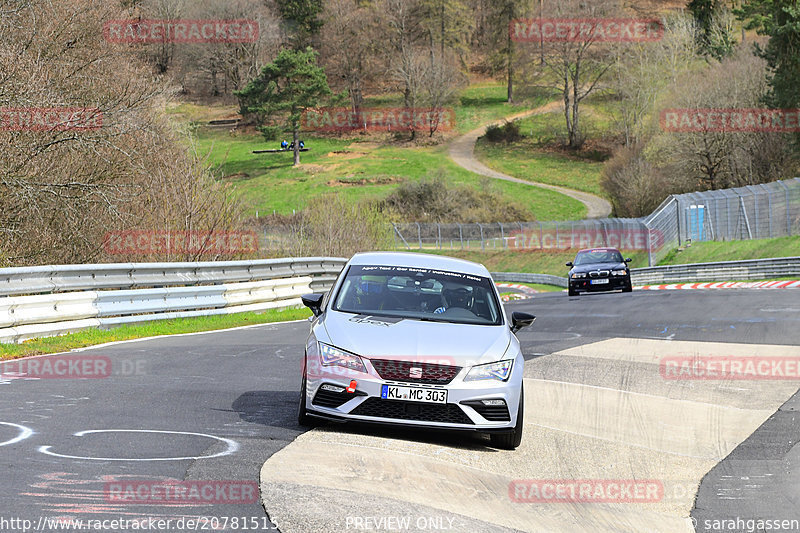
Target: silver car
414,340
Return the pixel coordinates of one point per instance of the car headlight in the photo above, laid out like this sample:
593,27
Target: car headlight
335,357
619,272
499,371
578,275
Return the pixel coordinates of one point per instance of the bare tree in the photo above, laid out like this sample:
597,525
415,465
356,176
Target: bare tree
65,185
643,71
573,67
716,158
350,54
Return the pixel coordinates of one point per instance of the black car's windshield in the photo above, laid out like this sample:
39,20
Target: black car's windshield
598,256
418,293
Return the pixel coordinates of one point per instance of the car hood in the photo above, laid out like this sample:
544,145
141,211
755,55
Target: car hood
376,337
599,266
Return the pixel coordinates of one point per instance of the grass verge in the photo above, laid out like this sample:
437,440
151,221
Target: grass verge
705,252
92,337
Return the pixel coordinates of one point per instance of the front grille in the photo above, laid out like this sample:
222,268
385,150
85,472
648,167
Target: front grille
599,274
493,413
424,412
430,373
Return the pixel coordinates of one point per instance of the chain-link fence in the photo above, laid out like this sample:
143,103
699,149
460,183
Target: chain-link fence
751,212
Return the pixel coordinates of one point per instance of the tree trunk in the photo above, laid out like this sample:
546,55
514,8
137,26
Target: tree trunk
296,138
510,69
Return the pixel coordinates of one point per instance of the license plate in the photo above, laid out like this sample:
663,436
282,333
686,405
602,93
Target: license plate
599,281
413,394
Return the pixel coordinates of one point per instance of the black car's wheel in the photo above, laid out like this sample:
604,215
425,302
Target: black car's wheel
572,292
510,441
628,287
302,415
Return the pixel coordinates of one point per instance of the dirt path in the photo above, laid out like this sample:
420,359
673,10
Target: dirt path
462,151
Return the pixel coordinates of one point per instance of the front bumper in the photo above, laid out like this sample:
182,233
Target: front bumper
615,283
464,409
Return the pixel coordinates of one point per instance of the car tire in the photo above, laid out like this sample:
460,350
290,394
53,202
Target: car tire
510,441
302,415
572,292
627,288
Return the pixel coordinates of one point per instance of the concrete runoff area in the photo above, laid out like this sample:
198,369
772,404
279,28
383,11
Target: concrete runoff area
595,413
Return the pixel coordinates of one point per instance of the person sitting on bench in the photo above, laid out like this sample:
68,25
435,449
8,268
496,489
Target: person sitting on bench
284,144
302,145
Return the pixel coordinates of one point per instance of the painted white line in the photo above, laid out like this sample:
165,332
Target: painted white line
232,446
634,393
24,433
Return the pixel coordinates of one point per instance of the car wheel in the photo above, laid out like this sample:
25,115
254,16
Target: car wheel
627,288
510,441
302,415
572,292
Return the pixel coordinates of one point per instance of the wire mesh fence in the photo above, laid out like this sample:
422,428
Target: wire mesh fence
750,212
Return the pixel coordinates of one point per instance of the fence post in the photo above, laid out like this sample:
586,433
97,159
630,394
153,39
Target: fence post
769,208
419,235
678,218
461,236
439,228
541,236
788,213
503,236
483,244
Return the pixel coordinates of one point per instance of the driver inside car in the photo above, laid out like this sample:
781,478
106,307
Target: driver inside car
455,296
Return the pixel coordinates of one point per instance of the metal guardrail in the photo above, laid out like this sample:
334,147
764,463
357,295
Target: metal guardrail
522,277
750,269
723,271
64,278
53,300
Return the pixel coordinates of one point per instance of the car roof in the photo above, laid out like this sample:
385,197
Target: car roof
408,259
601,249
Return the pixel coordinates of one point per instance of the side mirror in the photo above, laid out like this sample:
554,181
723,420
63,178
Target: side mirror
628,260
520,320
313,302
570,264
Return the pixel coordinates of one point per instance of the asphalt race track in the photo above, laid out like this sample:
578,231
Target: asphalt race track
221,407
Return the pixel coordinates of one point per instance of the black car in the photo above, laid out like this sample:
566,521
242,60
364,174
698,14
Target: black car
599,269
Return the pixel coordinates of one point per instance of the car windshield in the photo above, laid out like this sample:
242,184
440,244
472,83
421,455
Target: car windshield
418,293
598,256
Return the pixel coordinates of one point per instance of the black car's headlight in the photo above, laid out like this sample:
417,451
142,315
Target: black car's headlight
578,275
335,357
619,272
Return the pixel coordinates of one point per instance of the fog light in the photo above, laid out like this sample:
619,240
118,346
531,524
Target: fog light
493,402
332,388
